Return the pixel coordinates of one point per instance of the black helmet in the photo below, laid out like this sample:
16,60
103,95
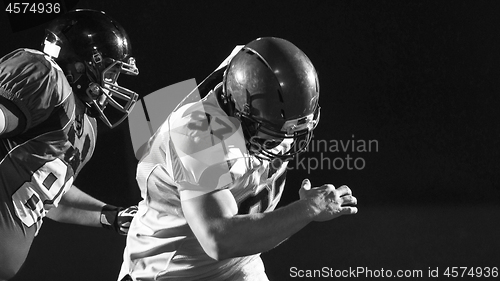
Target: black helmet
93,49
273,88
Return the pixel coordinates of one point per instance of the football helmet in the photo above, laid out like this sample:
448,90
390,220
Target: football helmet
93,49
272,88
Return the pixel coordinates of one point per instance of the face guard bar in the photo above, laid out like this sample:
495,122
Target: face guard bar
300,130
111,101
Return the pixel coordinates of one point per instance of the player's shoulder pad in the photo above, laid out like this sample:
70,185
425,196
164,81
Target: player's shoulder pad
201,126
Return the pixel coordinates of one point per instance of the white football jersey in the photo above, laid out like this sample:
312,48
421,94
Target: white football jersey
198,149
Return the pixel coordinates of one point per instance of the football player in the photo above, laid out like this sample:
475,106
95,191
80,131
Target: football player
214,171
49,102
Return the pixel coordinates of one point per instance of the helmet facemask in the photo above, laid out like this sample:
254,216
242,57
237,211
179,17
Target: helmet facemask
105,98
263,140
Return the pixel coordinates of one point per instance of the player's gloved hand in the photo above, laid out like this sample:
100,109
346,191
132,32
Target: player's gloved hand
117,218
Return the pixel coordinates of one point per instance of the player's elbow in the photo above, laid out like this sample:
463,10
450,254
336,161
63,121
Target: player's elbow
217,254
219,248
9,268
7,275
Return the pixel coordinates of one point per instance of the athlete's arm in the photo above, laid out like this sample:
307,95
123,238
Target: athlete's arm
77,207
224,234
8,121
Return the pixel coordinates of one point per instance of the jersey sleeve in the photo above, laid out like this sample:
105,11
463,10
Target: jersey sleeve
203,146
33,83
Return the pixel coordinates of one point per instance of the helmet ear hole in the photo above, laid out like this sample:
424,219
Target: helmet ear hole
79,67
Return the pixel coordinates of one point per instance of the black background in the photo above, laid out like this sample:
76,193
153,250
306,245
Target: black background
419,77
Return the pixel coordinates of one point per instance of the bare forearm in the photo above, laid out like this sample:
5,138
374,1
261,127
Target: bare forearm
77,207
256,233
223,233
68,214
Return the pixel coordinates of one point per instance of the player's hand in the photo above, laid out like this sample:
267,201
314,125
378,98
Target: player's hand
327,201
124,218
117,218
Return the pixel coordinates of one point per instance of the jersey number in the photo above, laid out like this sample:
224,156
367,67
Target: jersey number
45,188
204,122
265,199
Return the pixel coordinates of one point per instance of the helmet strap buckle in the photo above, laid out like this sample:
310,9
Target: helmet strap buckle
93,90
96,56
